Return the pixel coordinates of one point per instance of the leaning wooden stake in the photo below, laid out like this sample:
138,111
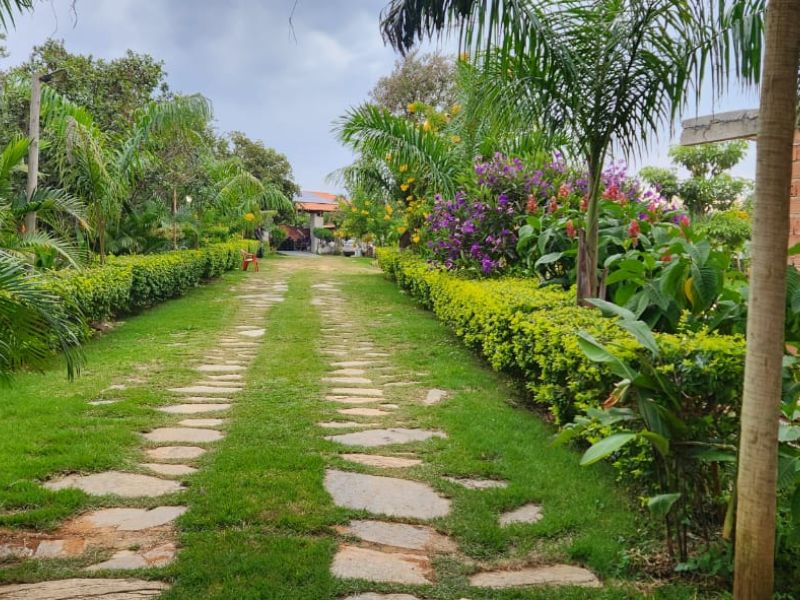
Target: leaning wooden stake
758,447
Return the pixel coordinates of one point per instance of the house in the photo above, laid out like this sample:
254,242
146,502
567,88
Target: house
315,204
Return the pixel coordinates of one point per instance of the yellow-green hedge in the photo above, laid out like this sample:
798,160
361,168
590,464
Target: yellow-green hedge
129,283
530,332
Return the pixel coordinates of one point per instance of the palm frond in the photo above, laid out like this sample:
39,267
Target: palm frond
9,7
274,199
44,241
375,132
31,322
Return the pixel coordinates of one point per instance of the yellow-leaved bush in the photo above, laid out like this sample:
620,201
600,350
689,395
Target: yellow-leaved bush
531,332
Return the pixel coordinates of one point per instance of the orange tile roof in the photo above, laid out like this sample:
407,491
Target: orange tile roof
317,206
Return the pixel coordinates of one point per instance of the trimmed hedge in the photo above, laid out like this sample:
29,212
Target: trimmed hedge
130,283
530,332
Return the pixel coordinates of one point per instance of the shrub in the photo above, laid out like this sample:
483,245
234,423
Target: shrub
531,332
323,234
129,283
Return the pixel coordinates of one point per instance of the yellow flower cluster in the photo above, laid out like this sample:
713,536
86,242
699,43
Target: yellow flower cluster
249,217
403,168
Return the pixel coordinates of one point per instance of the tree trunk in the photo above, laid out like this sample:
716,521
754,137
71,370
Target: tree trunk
33,149
101,238
758,445
588,239
174,219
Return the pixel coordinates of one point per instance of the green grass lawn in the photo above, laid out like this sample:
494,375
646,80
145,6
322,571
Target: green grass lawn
260,523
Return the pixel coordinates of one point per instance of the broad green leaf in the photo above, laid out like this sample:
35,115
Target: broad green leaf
660,442
609,308
606,447
661,504
788,432
642,333
796,506
715,455
596,352
549,258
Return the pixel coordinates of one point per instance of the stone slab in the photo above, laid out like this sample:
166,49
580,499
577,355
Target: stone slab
529,513
102,402
175,452
130,559
230,377
220,368
12,551
478,484
385,495
434,396
191,409
341,424
347,380
60,548
169,470
352,363
201,422
348,391
352,562
205,389
400,535
205,399
385,437
84,589
375,596
363,412
352,399
222,384
252,333
131,519
126,485
347,372
383,462
184,434
551,575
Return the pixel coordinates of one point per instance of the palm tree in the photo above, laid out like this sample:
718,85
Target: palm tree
758,456
57,209
31,319
608,74
101,168
438,156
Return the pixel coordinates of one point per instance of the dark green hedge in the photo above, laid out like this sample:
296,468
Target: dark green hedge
130,283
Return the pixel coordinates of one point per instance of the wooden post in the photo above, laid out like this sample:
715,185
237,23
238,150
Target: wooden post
33,148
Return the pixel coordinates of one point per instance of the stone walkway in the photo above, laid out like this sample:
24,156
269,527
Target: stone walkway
394,536
135,538
396,545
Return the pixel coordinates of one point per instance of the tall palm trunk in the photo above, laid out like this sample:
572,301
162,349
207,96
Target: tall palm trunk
758,448
588,240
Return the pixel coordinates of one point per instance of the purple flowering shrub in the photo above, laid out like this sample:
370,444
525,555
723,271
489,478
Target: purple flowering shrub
528,220
473,234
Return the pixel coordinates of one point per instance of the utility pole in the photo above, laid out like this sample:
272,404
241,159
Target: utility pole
33,148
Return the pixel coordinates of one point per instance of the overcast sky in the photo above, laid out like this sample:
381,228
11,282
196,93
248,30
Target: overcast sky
285,88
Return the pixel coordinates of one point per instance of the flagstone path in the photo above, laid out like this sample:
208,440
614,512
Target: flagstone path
389,549
135,538
392,537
